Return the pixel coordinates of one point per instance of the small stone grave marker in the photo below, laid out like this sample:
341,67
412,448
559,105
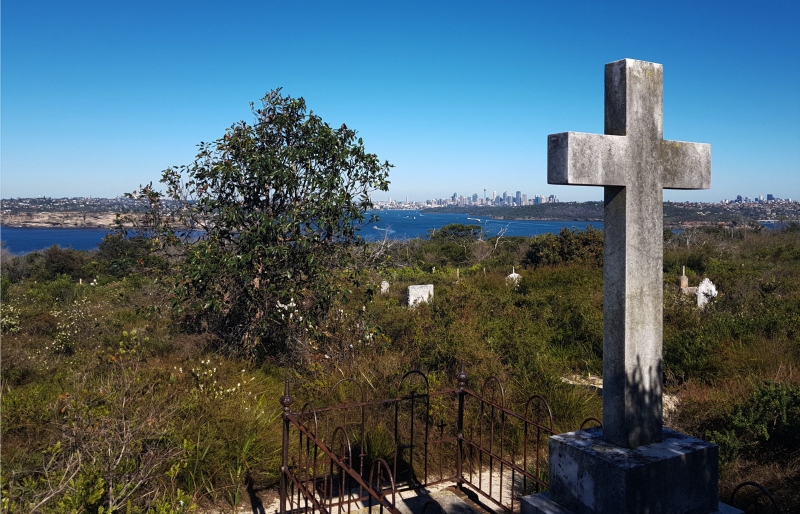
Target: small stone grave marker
419,294
684,283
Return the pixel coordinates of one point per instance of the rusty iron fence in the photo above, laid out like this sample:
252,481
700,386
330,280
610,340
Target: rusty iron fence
754,498
352,452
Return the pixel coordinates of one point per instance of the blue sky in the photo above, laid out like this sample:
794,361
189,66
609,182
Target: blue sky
100,96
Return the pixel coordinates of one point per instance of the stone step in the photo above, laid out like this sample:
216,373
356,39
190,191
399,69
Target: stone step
450,499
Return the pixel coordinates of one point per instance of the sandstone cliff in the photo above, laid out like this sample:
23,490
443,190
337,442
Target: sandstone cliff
59,219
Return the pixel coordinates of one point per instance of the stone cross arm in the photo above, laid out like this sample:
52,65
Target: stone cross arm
576,158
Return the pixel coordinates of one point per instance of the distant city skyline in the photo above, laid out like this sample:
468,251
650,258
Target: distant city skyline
473,199
99,97
493,198
384,197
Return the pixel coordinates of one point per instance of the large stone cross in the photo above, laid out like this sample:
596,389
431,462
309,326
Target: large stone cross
633,163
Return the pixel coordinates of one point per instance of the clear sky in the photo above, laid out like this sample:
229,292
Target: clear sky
100,96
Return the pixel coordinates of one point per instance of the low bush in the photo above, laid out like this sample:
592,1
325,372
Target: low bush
569,246
60,290
55,262
765,427
83,363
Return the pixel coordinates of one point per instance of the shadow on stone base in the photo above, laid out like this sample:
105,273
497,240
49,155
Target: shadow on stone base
542,504
589,475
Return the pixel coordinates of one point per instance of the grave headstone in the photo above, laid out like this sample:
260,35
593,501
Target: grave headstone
419,294
706,291
384,288
514,278
684,284
630,464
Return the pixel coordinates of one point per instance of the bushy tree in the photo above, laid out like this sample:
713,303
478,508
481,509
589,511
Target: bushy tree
120,254
266,216
451,244
570,245
55,261
455,232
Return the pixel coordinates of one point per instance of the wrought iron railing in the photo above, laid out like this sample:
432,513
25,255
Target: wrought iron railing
505,451
754,498
353,453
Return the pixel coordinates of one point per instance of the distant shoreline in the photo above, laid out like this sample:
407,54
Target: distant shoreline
59,220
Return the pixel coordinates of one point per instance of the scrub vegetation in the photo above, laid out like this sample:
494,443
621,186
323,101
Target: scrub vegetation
111,402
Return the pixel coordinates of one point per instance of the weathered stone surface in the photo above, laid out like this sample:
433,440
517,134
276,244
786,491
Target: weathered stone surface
384,287
634,163
684,284
419,294
542,504
631,464
589,475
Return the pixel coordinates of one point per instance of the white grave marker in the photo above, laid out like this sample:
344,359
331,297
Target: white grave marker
419,294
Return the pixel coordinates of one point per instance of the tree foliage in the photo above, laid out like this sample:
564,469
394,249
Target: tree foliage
265,216
455,232
452,244
569,246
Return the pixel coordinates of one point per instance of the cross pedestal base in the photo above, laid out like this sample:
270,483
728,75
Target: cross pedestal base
589,475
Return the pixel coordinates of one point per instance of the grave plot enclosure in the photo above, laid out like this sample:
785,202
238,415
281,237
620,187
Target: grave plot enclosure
348,451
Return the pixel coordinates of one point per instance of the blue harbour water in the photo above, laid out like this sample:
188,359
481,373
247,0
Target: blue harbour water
394,224
25,240
402,224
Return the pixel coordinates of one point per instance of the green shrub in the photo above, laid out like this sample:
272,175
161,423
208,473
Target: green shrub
765,425
56,262
692,353
5,283
17,268
61,290
26,405
119,256
569,246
